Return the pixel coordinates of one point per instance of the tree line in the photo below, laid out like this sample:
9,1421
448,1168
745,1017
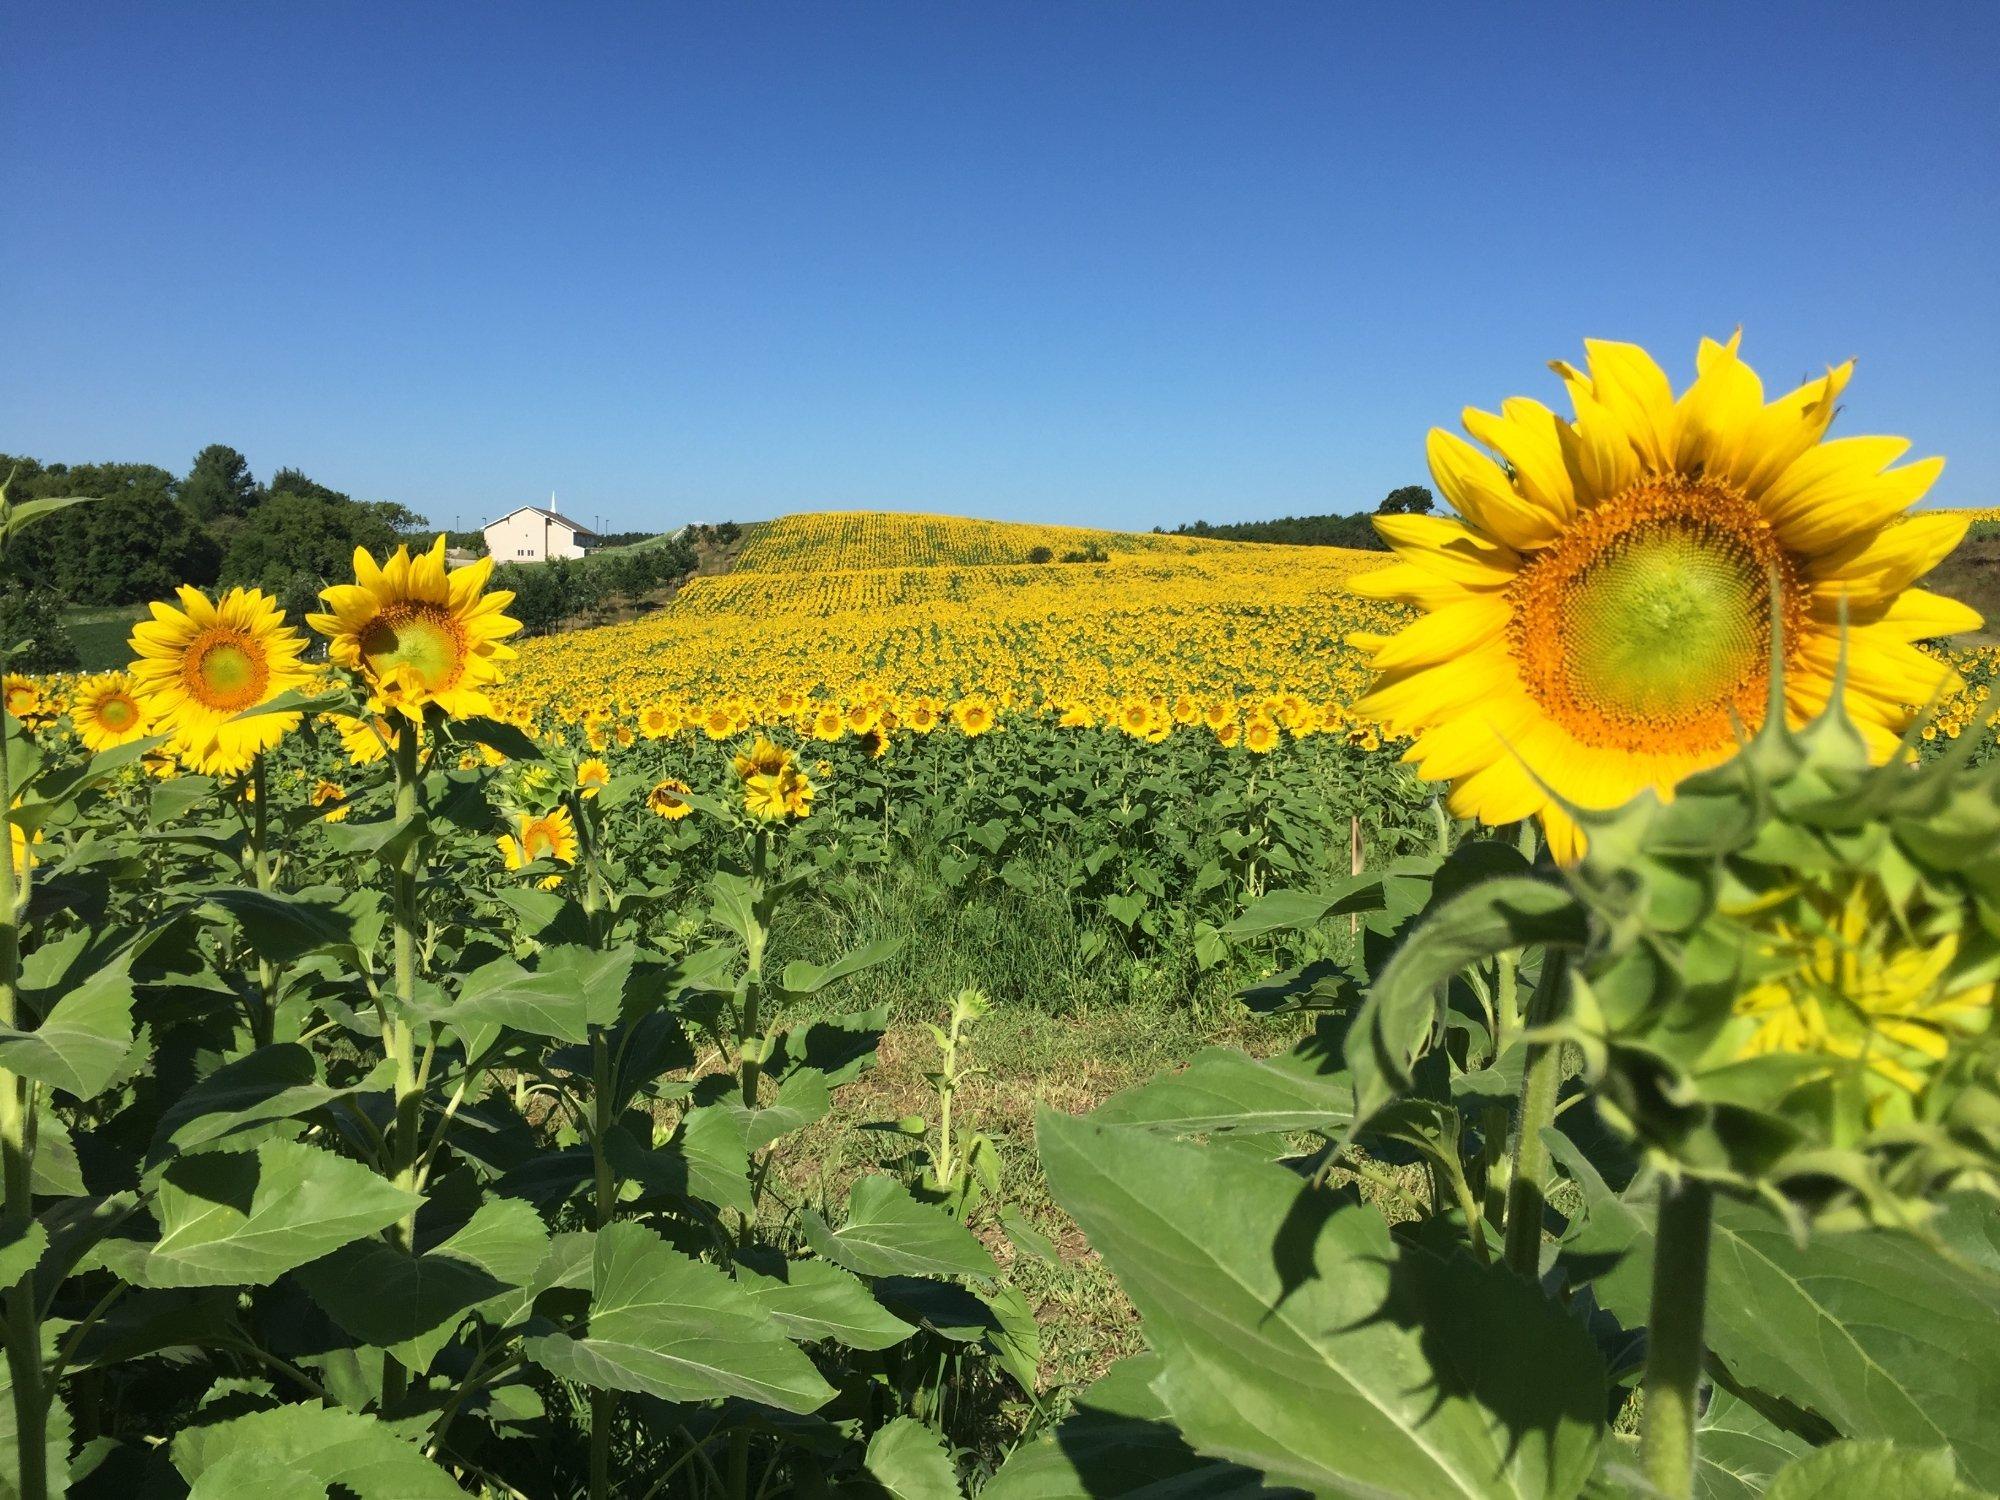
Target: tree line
1321,531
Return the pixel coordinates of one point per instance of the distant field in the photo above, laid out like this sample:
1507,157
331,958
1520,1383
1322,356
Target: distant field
832,541
100,634
834,607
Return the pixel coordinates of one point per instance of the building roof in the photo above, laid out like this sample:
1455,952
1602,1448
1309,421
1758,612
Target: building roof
548,515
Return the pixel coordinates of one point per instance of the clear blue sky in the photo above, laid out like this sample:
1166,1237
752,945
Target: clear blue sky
1119,263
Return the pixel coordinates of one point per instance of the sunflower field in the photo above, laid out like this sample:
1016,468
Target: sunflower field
436,1063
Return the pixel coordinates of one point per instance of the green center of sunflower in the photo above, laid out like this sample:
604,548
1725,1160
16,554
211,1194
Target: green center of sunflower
1647,626
117,714
419,635
1667,621
229,674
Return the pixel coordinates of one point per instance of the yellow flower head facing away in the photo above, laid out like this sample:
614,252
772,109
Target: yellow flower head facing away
669,799
1597,617
762,759
201,665
550,836
778,796
427,635
592,776
106,711
20,845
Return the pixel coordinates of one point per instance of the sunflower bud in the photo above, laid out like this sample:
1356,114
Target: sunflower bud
1795,977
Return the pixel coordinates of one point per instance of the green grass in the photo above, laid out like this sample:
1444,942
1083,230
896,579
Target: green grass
1077,1016
100,633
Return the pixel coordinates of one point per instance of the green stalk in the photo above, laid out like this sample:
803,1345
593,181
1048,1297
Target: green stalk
263,1019
405,1145
1527,1187
1674,1337
602,1403
24,1332
749,1042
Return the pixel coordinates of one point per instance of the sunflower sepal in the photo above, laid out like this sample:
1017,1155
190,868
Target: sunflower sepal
1808,1007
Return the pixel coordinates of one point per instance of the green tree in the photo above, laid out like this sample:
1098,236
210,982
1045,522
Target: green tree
220,485
134,544
34,616
294,536
1408,500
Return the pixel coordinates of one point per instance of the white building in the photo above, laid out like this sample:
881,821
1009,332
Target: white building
533,534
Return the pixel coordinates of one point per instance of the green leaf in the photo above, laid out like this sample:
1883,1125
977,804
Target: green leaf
888,1232
1737,1449
1872,1329
1870,1471
81,1042
20,1247
1015,1339
664,1325
1289,911
1120,1444
802,1100
281,928
1300,1339
1225,1089
840,1048
413,1303
250,1472
248,1217
812,1300
802,978
334,1446
271,1084
570,989
21,514
506,738
908,1461
1394,1024
704,1160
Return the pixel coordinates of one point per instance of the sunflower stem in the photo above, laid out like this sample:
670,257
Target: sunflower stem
405,1144
1674,1337
603,1404
1527,1186
750,1052
24,1333
263,1017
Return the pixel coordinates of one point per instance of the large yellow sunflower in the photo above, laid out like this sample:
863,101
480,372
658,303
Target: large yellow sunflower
106,712
201,665
1597,618
437,636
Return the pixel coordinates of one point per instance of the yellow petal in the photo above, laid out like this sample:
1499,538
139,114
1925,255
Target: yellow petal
1874,568
1717,412
1530,437
1479,488
1635,390
1445,634
1450,549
